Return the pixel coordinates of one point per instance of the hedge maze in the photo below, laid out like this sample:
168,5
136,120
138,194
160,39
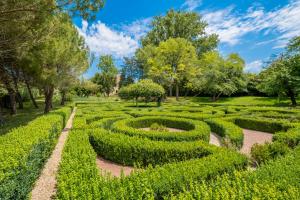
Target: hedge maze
169,149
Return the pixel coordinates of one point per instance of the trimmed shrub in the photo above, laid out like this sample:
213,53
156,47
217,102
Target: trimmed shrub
259,124
291,137
260,153
128,150
231,134
24,150
192,130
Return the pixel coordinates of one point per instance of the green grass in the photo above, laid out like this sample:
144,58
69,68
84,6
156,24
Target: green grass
246,100
23,116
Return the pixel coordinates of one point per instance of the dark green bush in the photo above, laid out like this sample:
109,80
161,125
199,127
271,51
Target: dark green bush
193,130
291,137
259,124
260,153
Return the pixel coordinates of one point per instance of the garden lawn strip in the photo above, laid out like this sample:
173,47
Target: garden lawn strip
45,187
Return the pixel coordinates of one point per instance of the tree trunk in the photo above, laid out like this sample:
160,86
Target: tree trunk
30,94
63,98
171,90
18,95
48,91
12,98
177,92
213,98
291,94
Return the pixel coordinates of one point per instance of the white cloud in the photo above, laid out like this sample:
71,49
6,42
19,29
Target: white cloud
191,4
232,26
103,40
138,28
254,67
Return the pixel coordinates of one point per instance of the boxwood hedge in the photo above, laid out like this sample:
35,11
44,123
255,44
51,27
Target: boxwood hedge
24,150
192,130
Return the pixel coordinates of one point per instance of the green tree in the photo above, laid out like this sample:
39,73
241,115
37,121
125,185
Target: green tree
282,76
130,71
146,89
178,24
174,60
219,76
107,78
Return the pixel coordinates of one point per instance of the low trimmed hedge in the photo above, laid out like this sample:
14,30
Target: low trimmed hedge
279,179
231,134
24,150
265,125
291,137
193,130
128,150
79,177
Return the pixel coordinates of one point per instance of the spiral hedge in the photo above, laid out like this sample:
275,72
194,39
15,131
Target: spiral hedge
173,165
191,130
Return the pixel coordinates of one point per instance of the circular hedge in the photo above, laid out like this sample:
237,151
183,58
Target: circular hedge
192,130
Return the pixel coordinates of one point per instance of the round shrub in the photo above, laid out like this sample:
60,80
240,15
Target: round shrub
191,130
146,89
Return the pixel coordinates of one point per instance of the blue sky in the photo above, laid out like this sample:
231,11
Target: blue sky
254,29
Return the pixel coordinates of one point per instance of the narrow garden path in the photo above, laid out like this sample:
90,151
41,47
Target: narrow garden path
252,137
215,139
114,169
45,187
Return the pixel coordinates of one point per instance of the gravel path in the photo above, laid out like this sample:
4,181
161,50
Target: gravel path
215,139
254,137
113,168
45,187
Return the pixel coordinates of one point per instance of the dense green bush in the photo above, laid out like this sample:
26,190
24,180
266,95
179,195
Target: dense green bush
24,150
193,130
260,153
128,150
278,179
232,135
291,137
146,89
259,124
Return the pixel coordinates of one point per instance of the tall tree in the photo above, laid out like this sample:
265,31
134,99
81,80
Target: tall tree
219,76
130,71
282,76
174,60
107,78
178,24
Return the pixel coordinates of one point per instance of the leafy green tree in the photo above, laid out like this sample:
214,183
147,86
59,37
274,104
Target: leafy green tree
107,78
219,76
174,60
146,89
85,88
130,71
282,76
178,24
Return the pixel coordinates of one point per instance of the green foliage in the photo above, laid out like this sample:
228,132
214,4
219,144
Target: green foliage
231,134
146,89
158,127
134,150
260,124
290,138
261,153
187,25
24,150
219,76
174,61
86,88
192,130
278,179
107,78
